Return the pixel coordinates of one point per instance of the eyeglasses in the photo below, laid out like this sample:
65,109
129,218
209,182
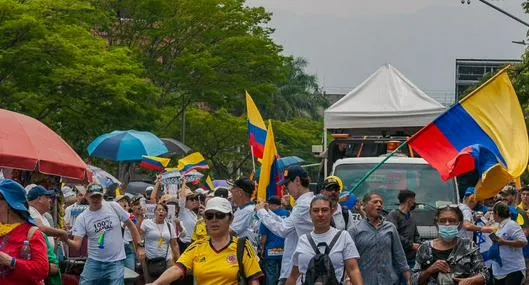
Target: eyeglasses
216,215
332,188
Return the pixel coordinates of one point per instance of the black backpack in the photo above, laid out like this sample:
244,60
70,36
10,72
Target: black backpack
320,270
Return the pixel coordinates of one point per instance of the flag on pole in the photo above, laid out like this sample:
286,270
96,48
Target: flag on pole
194,161
256,128
484,132
270,174
209,184
154,163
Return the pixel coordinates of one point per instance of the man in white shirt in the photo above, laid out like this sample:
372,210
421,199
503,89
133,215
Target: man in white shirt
41,201
244,220
101,223
342,218
296,181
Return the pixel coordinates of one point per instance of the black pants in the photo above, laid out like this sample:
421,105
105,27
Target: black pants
514,278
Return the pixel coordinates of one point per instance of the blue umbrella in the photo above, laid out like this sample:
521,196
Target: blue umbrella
287,161
283,163
126,146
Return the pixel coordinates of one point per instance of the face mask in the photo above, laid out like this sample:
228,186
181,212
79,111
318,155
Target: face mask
448,233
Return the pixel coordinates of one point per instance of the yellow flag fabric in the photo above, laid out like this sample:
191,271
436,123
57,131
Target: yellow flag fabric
268,167
192,161
210,184
254,117
496,109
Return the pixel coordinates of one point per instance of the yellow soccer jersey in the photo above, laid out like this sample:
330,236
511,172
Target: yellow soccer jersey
211,267
200,231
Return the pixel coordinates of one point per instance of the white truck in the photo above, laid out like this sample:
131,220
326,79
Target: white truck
400,173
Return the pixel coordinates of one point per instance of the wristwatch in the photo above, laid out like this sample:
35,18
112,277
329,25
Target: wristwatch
140,244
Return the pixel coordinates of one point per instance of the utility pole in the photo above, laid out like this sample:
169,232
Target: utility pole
501,11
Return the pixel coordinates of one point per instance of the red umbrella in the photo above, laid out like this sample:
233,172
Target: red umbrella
28,144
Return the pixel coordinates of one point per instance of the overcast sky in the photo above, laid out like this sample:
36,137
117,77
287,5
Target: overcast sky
347,40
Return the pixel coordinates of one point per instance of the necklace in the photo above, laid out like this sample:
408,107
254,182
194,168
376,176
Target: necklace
161,242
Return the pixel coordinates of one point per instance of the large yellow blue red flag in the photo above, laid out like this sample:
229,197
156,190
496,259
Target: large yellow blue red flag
256,128
270,175
194,161
484,132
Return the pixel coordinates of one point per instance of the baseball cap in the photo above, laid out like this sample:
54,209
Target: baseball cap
245,184
218,204
38,191
470,191
67,192
15,196
333,181
292,172
94,189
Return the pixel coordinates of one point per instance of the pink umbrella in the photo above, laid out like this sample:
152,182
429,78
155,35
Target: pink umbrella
28,144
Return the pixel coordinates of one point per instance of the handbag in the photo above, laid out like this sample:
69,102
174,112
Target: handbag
156,266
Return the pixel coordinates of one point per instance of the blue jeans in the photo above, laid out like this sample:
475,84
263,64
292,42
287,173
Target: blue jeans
130,259
98,273
272,270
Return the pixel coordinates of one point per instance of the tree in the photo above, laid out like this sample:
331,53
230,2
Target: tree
54,69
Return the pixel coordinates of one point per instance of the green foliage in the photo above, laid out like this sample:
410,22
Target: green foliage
54,69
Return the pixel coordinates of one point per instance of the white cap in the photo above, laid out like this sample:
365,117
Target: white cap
201,191
218,204
149,188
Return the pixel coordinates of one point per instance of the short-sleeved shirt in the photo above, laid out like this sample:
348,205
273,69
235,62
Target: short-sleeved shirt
153,233
344,249
512,257
275,245
103,225
211,267
38,217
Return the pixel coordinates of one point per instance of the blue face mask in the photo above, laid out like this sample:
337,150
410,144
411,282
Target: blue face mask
448,233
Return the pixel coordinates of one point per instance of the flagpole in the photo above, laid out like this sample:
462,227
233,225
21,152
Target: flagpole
253,158
376,167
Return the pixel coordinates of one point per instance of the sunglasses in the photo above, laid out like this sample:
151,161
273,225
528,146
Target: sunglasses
192,199
216,215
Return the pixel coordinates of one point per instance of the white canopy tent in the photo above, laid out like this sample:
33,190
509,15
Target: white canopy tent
386,101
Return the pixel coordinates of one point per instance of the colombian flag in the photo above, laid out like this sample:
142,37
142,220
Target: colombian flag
209,184
154,163
270,175
484,132
256,128
194,161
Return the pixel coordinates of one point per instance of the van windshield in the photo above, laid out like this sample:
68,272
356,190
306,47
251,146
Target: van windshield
390,178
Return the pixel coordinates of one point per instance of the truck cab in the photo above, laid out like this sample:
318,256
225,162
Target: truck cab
400,173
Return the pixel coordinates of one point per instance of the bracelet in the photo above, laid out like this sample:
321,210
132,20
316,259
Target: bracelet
13,262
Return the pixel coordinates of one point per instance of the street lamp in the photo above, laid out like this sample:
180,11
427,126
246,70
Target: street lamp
500,10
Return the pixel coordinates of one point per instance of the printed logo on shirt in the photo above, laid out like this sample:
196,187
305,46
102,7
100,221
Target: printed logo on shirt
275,252
103,224
356,217
232,259
202,259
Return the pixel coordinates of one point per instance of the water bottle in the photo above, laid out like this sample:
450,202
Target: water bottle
25,252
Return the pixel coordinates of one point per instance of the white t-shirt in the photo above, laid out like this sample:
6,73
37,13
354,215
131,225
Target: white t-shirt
40,219
188,218
512,258
151,232
106,220
343,249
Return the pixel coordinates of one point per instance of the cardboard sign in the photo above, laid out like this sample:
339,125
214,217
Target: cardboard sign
171,182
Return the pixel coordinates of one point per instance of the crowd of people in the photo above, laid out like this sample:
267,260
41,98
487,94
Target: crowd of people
226,237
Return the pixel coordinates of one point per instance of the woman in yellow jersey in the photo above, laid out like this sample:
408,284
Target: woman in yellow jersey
214,260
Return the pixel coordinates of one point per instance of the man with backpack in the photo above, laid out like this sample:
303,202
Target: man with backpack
342,218
101,223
